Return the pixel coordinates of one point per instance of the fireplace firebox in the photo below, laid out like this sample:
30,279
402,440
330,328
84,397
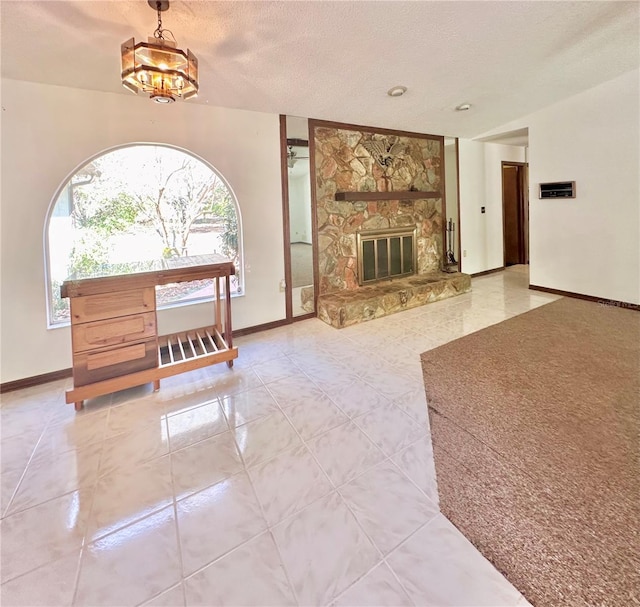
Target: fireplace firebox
386,253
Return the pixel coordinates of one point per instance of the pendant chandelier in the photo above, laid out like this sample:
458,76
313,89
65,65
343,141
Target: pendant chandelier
157,67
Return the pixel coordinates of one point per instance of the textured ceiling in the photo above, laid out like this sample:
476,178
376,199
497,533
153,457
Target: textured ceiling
336,60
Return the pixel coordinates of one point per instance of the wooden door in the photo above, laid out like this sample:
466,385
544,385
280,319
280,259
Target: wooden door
514,213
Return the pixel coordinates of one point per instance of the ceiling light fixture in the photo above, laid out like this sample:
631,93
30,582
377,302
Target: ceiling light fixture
291,157
157,66
397,91
463,107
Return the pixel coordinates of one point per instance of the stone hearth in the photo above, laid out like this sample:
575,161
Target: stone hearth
349,307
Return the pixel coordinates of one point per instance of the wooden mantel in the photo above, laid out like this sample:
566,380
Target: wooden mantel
399,195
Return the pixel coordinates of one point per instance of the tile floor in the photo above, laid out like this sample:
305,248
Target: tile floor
304,476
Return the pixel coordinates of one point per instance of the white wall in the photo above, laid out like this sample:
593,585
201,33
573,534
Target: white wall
299,184
591,244
47,131
300,202
480,169
297,128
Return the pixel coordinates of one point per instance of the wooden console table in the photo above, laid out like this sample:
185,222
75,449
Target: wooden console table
114,327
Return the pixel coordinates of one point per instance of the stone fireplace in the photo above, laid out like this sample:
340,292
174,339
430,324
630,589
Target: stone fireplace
380,222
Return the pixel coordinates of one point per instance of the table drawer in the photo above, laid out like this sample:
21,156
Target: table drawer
102,333
107,363
112,305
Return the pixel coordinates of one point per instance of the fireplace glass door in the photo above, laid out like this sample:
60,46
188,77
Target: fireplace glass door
384,254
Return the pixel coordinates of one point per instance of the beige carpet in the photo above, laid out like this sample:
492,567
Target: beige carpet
536,435
301,264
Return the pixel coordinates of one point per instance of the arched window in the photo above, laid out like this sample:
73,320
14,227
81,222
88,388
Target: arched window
134,205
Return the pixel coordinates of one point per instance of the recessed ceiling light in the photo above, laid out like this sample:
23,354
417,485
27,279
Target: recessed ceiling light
463,107
397,91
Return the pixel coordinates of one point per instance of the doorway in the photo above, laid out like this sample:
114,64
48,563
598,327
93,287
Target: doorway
297,218
515,213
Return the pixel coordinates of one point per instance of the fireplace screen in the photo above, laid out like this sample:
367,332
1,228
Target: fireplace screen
384,254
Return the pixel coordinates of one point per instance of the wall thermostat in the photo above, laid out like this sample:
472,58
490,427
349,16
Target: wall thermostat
558,189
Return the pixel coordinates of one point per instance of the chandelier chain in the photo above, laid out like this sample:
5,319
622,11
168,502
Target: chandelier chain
158,33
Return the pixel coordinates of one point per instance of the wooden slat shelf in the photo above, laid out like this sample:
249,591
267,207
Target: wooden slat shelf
80,393
372,196
197,344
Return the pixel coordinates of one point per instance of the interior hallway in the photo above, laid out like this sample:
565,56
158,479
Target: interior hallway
303,476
